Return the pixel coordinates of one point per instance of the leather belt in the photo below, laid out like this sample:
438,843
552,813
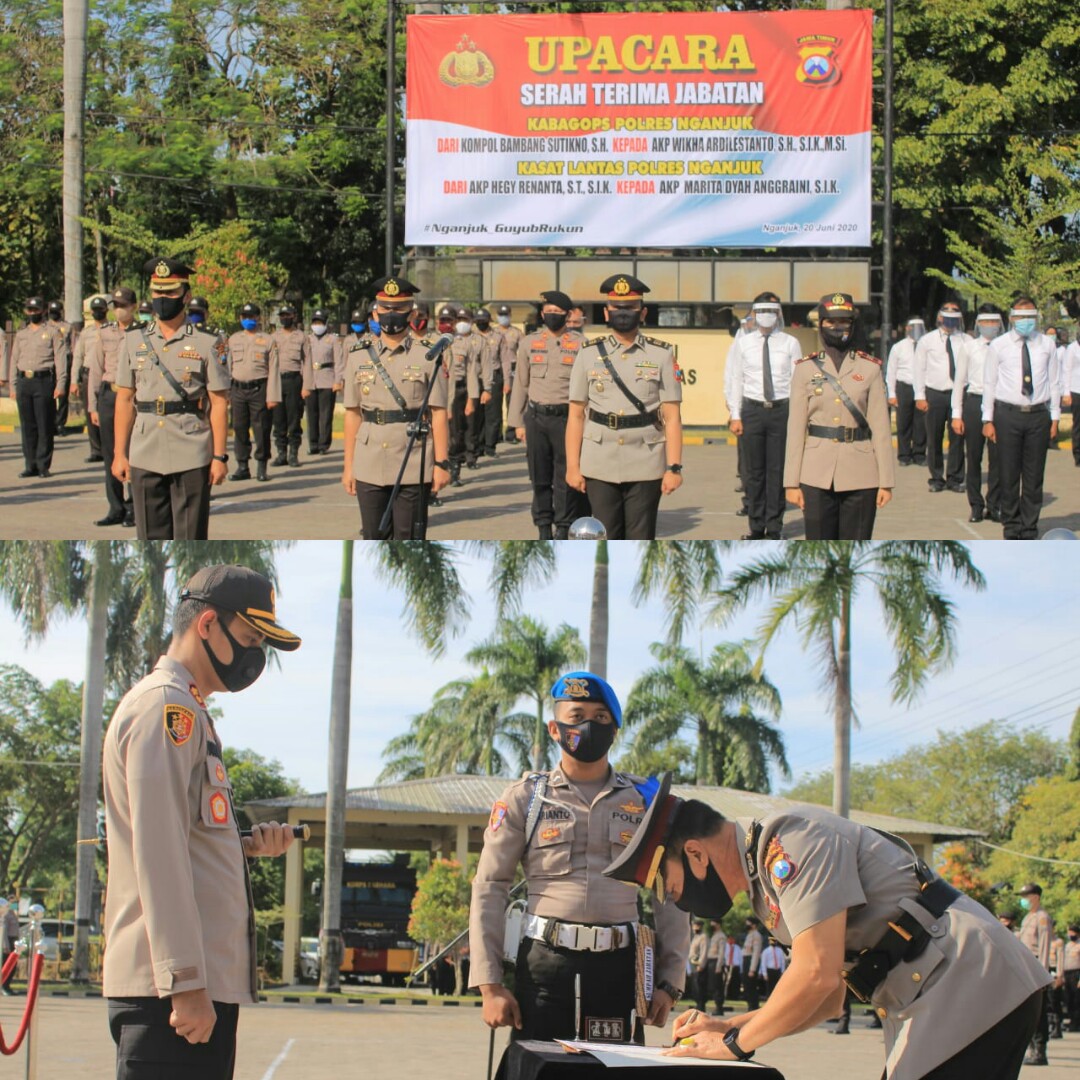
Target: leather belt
839,434
251,384
43,373
291,374
765,404
905,939
616,422
541,409
1041,406
166,408
578,938
973,393
321,367
390,416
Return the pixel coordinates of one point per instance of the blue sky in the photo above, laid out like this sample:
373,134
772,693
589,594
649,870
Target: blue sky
1017,657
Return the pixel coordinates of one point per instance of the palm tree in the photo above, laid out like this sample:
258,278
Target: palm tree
813,584
113,581
525,659
598,615
719,701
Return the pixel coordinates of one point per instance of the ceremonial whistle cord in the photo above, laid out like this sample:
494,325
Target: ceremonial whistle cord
36,965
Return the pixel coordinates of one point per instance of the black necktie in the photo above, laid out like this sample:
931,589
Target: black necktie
952,360
1028,388
766,370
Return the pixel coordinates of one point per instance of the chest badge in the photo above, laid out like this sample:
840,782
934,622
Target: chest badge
219,808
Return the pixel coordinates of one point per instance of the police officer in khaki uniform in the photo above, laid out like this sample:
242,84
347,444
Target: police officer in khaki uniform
103,358
494,381
178,911
513,335
624,434
255,389
462,361
958,995
1037,933
418,320
171,407
564,827
291,348
38,367
838,467
96,310
539,407
56,318
386,379
324,375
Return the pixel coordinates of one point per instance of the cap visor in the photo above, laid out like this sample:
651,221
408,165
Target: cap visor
639,864
275,635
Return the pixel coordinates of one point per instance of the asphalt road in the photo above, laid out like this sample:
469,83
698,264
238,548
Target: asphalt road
310,503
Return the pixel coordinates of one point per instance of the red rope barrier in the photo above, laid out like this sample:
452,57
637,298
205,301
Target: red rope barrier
9,966
31,997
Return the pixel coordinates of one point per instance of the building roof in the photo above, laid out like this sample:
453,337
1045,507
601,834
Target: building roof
472,796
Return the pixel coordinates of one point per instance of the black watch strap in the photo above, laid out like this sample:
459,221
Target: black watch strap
221,457
731,1041
675,469
444,465
672,992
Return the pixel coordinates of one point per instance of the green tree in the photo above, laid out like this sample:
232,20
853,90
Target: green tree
718,702
440,909
813,585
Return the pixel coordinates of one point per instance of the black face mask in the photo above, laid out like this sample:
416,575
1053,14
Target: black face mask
168,308
707,899
287,322
624,319
393,322
245,667
554,321
483,324
836,339
588,741
35,317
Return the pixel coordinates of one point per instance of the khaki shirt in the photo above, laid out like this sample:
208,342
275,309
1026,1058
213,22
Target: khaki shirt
699,951
493,356
825,463
1037,933
650,373
461,358
545,361
752,945
1071,956
324,367
513,340
564,866
38,347
179,441
291,347
80,359
177,908
380,447
252,355
103,353
971,974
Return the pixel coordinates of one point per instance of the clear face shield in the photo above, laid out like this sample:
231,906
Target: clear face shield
916,328
988,327
1025,321
951,322
768,316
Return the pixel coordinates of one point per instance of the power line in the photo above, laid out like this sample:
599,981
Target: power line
1021,855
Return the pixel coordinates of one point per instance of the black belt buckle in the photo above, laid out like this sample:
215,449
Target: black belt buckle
379,418
159,406
849,434
613,421
864,977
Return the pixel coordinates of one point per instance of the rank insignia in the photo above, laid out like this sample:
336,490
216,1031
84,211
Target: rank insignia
219,808
179,723
781,867
626,836
219,772
498,816
194,691
551,833
631,808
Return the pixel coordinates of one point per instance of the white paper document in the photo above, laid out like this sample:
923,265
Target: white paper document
631,1056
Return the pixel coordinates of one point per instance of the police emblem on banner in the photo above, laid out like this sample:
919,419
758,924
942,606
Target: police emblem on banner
467,65
817,64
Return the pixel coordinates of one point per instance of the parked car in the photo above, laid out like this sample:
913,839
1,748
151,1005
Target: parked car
309,959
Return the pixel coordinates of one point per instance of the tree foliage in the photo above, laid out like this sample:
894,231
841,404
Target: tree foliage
440,908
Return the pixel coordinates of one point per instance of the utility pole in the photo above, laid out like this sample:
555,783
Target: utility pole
75,21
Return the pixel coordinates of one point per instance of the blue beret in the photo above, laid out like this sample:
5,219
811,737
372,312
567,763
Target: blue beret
585,686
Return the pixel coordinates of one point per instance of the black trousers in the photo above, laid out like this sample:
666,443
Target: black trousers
493,415
973,451
114,489
1072,999
765,439
701,988
406,523
910,426
628,510
37,420
93,431
462,428
939,410
288,416
147,1048
1022,442
839,515
751,986
320,420
553,502
64,385
250,417
171,506
1076,426
544,988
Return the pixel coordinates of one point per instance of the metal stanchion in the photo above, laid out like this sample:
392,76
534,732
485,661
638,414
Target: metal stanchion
33,932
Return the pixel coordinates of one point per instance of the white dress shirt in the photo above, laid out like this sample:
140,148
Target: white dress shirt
932,361
747,378
901,365
970,373
773,959
730,956
1070,373
1003,377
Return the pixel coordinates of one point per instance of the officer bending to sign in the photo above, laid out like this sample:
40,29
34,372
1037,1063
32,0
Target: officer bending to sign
179,919
576,962
958,995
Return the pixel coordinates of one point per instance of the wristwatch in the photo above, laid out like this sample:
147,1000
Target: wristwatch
670,990
223,458
731,1041
677,469
444,465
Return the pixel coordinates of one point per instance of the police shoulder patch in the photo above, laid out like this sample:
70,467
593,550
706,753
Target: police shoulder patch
498,815
179,723
779,865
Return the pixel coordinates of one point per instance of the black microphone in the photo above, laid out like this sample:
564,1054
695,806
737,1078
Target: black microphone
436,350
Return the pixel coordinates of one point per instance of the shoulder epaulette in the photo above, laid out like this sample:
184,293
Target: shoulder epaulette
809,356
593,341
866,356
656,341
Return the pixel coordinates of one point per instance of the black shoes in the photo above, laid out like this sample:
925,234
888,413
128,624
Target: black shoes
93,458
741,512
111,519
129,520
27,473
280,459
752,536
544,532
294,459
976,517
562,532
935,486
959,488
242,472
260,471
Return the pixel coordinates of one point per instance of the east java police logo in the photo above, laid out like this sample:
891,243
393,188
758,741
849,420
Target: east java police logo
576,688
817,65
467,65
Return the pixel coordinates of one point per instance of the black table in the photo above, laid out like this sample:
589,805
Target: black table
528,1060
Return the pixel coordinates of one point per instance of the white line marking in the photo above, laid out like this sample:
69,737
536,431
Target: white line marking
974,532
268,1075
